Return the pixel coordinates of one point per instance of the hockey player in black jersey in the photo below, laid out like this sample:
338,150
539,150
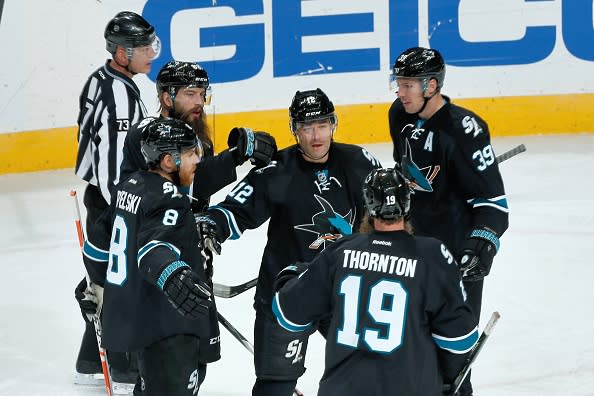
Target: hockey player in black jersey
144,252
446,149
399,322
110,103
311,193
183,89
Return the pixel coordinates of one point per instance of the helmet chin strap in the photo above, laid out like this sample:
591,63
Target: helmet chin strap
426,100
172,113
130,71
175,174
125,67
177,181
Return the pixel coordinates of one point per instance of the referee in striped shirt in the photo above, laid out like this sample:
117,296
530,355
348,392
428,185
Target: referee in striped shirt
109,104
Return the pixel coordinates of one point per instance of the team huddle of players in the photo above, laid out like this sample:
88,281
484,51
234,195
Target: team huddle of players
386,263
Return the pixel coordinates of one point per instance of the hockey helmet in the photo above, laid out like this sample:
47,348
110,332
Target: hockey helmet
129,30
308,106
178,74
161,136
386,193
421,63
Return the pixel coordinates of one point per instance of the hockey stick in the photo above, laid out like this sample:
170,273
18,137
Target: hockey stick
1,8
225,291
473,354
235,333
248,345
96,322
511,153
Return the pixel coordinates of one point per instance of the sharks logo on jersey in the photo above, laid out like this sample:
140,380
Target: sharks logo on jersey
328,225
420,178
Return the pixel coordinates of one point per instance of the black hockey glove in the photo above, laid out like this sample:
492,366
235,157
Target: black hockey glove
258,147
87,300
210,244
187,292
477,254
207,228
288,273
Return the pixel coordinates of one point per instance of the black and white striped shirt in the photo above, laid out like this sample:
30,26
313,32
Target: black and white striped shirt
109,104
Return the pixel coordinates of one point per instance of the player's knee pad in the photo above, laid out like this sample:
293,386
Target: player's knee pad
170,367
279,354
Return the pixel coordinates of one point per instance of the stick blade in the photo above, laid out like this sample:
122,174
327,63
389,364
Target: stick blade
221,290
492,322
225,291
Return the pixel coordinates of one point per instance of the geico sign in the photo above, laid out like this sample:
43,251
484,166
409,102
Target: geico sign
446,19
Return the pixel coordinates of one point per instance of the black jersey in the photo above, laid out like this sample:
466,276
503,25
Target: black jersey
149,227
110,104
393,298
309,206
463,189
212,173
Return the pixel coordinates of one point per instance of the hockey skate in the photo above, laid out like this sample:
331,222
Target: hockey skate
88,373
123,381
88,364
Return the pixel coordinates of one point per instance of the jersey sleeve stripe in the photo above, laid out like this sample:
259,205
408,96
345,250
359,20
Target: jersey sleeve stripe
84,163
282,319
499,203
457,345
94,253
143,251
233,227
102,157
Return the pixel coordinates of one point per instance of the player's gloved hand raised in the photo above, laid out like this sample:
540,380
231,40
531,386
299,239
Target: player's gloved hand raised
258,147
210,244
188,294
477,254
209,239
87,299
288,273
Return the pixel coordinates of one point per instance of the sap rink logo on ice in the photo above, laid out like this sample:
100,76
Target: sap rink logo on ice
289,28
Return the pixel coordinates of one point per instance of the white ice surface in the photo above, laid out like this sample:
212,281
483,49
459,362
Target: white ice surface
542,283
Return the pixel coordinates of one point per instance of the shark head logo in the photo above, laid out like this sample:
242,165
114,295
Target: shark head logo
328,225
420,179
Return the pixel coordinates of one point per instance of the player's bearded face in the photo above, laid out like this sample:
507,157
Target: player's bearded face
410,93
189,105
197,124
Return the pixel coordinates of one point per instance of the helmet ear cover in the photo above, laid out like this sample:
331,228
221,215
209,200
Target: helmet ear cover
386,193
309,106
